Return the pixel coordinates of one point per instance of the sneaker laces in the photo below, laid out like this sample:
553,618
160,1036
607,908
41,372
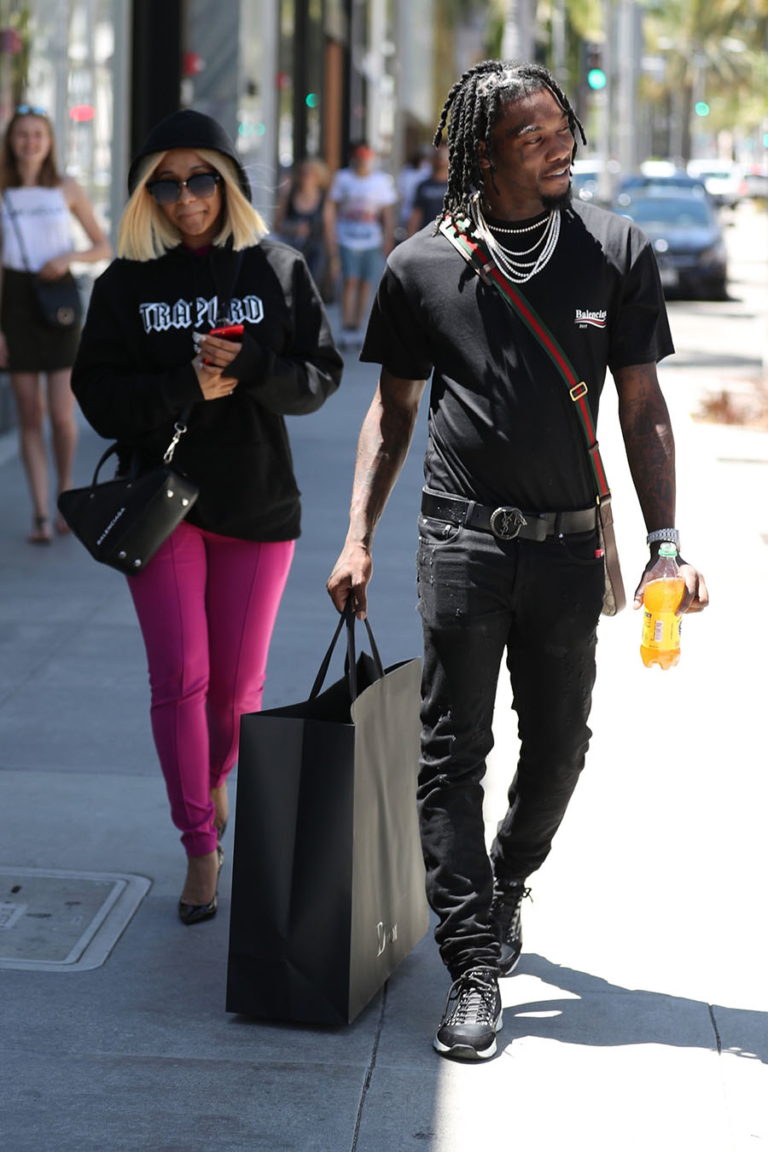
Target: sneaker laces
474,997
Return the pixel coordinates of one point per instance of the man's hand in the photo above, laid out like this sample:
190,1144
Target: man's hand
3,352
695,597
350,578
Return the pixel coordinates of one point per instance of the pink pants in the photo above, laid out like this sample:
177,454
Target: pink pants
207,605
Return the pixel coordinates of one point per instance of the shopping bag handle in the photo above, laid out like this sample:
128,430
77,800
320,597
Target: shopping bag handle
348,617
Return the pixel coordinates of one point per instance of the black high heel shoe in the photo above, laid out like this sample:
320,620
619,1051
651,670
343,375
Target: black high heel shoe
197,913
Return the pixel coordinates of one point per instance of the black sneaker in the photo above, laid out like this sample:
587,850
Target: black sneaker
472,1017
505,917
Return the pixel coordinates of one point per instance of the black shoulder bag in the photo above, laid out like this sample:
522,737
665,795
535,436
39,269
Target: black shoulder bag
123,522
58,301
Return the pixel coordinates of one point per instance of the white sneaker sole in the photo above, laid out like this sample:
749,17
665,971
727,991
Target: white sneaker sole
466,1051
508,971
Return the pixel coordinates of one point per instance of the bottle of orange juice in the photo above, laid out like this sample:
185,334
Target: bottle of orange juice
661,628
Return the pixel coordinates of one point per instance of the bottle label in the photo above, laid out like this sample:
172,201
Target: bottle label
661,630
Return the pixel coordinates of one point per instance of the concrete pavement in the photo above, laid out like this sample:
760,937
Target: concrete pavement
639,1014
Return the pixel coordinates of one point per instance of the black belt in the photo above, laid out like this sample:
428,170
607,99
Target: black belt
506,522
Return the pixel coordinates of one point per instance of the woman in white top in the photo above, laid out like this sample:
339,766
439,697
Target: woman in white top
36,240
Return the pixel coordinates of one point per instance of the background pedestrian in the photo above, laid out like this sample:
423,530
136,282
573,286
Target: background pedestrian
428,201
304,219
363,200
35,231
193,254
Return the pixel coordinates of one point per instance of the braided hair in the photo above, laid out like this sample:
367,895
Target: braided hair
474,102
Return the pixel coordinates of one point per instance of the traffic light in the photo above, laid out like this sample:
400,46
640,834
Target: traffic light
596,77
701,108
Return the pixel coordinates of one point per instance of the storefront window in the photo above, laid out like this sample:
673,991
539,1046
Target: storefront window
60,54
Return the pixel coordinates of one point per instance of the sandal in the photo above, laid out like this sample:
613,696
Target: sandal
61,525
41,532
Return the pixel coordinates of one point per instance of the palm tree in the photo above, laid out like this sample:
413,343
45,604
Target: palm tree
712,48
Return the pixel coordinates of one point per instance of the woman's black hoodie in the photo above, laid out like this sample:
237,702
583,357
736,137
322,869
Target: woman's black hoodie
133,376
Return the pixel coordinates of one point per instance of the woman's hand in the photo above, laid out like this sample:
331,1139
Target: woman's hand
213,384
55,268
220,354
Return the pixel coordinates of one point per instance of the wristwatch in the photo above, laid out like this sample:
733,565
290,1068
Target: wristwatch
670,534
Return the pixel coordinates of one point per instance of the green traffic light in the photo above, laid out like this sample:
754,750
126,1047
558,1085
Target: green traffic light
311,100
701,108
596,78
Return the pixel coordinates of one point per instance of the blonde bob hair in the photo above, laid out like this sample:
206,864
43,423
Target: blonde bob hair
146,233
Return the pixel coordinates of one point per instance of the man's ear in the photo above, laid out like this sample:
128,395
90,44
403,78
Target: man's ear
482,153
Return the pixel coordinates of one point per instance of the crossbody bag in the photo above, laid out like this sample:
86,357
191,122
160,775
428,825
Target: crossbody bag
58,301
481,262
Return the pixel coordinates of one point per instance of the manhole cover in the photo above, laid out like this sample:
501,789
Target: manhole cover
56,920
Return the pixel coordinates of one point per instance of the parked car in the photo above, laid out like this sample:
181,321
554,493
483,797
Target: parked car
723,179
588,176
673,178
756,181
684,229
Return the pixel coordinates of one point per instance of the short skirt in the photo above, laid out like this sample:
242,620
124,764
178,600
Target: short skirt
33,346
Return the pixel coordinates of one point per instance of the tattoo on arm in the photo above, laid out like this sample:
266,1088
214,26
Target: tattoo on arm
649,442
381,451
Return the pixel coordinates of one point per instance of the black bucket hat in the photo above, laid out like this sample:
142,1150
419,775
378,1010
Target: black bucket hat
189,129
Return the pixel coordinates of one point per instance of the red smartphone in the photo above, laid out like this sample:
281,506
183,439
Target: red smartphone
227,332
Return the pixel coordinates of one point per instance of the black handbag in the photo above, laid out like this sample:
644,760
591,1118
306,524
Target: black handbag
58,301
123,522
328,876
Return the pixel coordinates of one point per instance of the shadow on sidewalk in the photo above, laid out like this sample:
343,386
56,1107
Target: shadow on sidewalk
655,1018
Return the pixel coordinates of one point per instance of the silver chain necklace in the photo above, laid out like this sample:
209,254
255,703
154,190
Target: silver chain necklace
518,271
519,231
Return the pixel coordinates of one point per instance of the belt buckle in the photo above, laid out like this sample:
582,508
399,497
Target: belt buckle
506,523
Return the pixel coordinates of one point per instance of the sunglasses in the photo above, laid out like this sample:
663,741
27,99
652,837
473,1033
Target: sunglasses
29,110
202,186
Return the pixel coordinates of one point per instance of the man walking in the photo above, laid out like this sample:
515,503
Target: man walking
509,554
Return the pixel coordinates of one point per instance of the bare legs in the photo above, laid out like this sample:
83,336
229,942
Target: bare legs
28,391
354,301
61,409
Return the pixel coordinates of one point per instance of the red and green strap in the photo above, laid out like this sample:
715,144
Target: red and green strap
478,257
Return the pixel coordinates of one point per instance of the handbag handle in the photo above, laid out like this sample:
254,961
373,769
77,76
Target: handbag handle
348,617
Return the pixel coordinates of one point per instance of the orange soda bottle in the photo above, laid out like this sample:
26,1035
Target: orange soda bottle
661,628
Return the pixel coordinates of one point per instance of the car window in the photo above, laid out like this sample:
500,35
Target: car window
661,211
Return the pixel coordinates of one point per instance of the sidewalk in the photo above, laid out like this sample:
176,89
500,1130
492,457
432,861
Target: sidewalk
639,1017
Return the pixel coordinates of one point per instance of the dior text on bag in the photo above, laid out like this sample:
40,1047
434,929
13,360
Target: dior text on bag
123,522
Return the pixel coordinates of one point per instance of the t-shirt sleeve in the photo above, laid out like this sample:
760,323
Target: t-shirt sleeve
395,339
388,191
336,191
641,333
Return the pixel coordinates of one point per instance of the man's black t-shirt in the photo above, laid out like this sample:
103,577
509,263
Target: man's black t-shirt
501,428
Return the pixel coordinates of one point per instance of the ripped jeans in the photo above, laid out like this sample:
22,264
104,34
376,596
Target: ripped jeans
478,595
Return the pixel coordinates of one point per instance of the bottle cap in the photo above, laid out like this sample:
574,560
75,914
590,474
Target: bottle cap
667,549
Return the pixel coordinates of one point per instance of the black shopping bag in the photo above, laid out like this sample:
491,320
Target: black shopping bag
328,877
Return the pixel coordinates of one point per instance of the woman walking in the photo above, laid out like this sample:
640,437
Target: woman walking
304,219
192,255
35,232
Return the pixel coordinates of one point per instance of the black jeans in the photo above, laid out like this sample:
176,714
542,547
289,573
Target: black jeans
477,595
